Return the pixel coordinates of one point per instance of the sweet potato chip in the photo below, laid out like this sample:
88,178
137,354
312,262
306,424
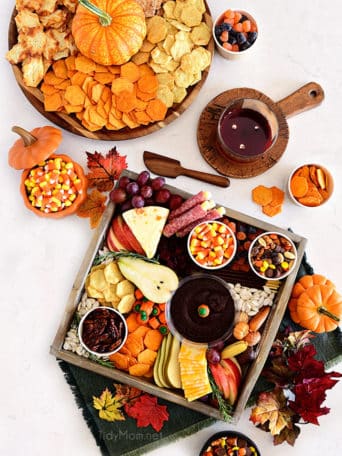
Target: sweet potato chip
84,64
139,369
122,85
126,101
74,95
156,109
130,71
262,195
53,102
120,360
272,209
277,196
299,186
148,83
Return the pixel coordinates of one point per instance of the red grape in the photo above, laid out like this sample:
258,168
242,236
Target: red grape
123,181
213,356
118,195
132,188
146,191
126,206
138,201
157,183
143,178
175,201
162,196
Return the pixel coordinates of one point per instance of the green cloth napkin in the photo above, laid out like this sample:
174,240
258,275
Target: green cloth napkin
124,438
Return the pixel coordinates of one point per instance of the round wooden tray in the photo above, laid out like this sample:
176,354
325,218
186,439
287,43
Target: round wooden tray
207,141
72,124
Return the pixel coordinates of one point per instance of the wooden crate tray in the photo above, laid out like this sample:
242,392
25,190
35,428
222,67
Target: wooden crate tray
246,279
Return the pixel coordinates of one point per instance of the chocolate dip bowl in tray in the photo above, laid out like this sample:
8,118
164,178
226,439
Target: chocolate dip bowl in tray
242,133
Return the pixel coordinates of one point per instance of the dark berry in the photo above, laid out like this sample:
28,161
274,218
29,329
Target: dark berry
241,39
243,18
226,26
244,46
252,36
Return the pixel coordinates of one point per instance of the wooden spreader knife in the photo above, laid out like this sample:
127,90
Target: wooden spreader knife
169,167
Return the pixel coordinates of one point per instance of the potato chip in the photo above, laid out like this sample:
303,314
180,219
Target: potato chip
179,93
147,46
112,273
168,8
191,16
202,59
126,303
124,287
172,66
109,293
156,29
167,44
97,280
179,25
167,79
158,68
177,10
93,293
201,34
199,4
165,95
160,57
183,79
181,46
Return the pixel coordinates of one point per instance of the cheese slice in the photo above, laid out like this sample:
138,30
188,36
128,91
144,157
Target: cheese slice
147,225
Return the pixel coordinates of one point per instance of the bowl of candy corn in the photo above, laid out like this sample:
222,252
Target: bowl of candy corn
211,245
235,32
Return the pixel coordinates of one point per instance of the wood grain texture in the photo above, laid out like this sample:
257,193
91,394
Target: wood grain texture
246,279
72,124
210,149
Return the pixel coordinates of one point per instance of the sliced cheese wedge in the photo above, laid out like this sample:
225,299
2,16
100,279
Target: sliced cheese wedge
147,224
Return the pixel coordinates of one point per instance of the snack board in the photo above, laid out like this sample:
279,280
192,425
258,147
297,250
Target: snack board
72,122
148,384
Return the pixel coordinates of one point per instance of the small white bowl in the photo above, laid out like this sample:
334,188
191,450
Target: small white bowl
118,316
233,55
226,261
256,243
329,184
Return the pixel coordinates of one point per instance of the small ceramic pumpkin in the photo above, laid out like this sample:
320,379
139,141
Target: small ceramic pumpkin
109,32
34,152
315,304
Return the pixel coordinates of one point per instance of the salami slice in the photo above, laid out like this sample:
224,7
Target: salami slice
195,213
189,203
213,214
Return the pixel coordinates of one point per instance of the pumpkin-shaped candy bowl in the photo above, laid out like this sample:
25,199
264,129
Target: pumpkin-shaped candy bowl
52,185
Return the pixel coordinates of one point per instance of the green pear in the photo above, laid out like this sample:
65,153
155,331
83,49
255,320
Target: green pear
172,367
156,282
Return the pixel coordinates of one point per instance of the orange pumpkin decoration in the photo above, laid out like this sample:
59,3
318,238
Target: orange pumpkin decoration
315,304
34,147
109,31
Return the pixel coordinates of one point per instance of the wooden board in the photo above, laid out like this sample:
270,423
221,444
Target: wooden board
210,149
176,396
72,124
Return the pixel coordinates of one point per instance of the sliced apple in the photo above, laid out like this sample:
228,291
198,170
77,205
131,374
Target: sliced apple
119,231
233,375
220,379
130,238
147,223
113,242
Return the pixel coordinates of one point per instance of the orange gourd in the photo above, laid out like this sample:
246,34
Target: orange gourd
315,304
33,147
109,32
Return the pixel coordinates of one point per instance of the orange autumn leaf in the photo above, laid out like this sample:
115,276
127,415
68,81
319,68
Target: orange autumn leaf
104,170
93,207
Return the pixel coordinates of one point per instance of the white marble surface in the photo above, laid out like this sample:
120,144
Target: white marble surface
300,42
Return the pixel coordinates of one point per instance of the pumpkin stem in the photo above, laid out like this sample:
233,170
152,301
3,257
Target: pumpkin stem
25,136
104,18
326,312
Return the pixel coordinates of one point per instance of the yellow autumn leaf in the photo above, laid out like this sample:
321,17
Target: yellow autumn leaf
108,406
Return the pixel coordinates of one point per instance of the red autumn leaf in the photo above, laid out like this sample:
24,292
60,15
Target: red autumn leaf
93,207
146,410
104,170
127,394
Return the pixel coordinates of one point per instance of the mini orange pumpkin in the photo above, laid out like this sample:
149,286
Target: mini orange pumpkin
315,304
33,147
109,32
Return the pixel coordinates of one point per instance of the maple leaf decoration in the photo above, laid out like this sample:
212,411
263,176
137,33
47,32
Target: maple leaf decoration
108,406
93,207
105,170
146,410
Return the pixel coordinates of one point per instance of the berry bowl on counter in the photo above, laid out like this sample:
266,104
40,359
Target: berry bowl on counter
272,256
235,32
